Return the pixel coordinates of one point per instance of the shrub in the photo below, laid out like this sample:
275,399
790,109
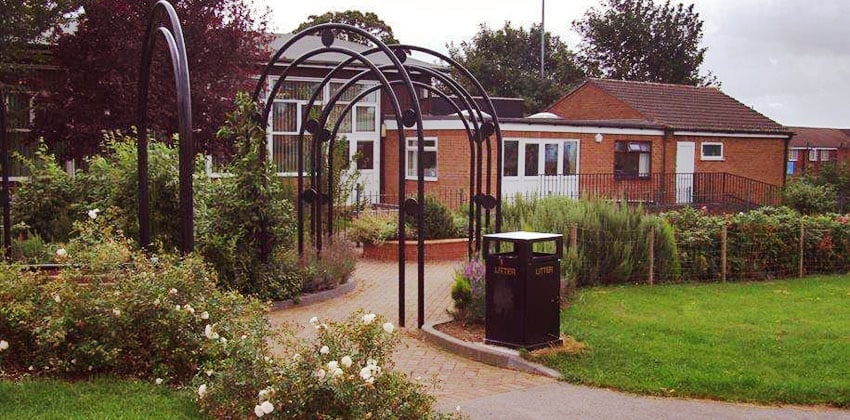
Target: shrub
331,267
245,224
31,249
373,227
468,293
343,373
50,201
808,198
128,315
438,223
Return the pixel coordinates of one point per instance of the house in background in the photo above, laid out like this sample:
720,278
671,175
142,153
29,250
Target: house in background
812,148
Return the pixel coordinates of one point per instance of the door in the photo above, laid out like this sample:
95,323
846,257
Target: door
364,155
533,167
685,156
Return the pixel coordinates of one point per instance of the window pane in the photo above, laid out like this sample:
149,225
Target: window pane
824,155
532,154
429,161
570,158
366,118
298,90
813,155
712,150
365,154
550,164
643,164
336,113
285,153
284,117
510,159
793,155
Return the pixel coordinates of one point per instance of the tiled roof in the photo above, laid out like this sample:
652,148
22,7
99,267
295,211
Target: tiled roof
312,42
684,107
820,137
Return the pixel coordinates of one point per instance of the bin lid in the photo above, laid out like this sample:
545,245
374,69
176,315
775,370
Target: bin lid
523,236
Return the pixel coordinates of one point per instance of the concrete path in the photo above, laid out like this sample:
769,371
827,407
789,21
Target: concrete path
484,391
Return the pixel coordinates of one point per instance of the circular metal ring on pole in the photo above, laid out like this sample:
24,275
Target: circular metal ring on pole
408,117
411,207
327,37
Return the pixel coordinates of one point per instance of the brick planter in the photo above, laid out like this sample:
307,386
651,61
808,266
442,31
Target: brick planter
435,250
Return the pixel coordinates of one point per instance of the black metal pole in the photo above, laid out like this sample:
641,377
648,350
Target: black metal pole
4,197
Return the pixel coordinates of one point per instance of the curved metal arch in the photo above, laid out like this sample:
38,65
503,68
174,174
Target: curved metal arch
177,49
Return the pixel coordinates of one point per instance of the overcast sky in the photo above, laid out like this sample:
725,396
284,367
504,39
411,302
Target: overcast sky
788,59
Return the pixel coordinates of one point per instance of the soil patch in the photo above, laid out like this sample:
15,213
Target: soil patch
467,332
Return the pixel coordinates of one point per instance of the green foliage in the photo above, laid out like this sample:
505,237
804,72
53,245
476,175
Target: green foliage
771,342
613,240
342,373
368,21
373,227
25,23
31,250
468,293
439,221
245,226
50,201
112,181
698,242
643,41
330,267
114,311
807,197
507,63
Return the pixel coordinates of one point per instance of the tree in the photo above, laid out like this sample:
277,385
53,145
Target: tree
25,23
101,59
507,63
368,21
643,41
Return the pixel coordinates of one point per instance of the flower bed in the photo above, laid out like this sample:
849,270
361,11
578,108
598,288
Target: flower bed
435,250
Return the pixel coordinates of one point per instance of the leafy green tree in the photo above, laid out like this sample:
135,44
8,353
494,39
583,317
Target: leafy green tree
368,21
23,23
507,63
643,41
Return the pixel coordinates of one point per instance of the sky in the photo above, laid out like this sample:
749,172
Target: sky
788,59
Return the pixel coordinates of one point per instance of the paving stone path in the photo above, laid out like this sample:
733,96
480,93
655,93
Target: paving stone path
487,392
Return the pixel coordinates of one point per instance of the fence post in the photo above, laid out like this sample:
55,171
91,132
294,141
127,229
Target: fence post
802,248
723,248
651,256
573,236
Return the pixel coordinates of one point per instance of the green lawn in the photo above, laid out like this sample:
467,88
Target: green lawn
98,399
783,341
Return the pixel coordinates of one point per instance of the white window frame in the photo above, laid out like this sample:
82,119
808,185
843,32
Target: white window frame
824,155
793,155
702,155
407,150
813,155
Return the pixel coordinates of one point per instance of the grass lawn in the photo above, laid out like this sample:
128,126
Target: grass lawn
97,399
783,341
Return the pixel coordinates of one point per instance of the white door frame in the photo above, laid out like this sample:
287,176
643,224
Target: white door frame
685,163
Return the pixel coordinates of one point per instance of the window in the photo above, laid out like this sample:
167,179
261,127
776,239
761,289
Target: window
532,154
813,155
19,116
632,159
793,155
711,151
510,158
365,154
429,158
570,158
824,155
550,159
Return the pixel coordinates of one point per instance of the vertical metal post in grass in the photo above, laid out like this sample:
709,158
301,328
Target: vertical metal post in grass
723,236
651,246
573,236
802,238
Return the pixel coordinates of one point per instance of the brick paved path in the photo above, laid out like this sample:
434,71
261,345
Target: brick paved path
455,379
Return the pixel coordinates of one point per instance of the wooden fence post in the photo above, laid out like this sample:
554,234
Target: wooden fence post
802,248
723,248
573,236
651,256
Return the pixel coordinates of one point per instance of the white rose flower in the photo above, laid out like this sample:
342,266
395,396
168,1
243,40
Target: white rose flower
178,308
244,336
388,327
4,345
202,390
172,291
158,381
322,326
188,308
372,362
61,253
370,380
263,393
457,409
57,298
208,331
320,374
116,312
314,320
368,318
366,373
93,213
258,411
156,302
333,364
154,259
267,407
223,340
337,372
205,315
209,372
324,350
296,357
346,361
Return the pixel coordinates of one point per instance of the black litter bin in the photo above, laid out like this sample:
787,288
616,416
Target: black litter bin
522,290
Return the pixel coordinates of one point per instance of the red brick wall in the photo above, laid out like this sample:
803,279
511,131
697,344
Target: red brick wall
762,159
592,103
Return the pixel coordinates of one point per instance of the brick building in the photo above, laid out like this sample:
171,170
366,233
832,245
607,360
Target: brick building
812,148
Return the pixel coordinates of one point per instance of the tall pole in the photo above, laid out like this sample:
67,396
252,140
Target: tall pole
542,35
4,195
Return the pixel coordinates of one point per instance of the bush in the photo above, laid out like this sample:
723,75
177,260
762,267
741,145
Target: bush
125,315
373,227
245,225
808,198
612,239
439,222
331,267
343,373
468,293
49,202
31,250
